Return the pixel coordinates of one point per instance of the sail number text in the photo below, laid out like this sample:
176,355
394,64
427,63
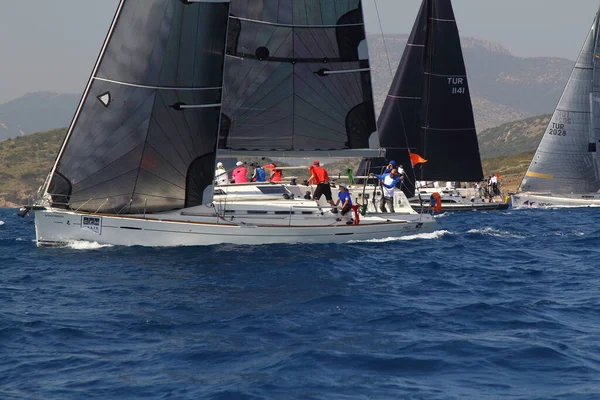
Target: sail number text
456,84
557,129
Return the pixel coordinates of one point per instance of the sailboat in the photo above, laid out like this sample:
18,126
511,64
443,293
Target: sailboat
428,110
138,162
564,170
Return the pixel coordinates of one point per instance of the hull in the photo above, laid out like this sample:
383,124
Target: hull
196,227
533,200
467,207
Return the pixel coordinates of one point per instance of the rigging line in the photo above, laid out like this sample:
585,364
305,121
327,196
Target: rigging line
383,39
85,94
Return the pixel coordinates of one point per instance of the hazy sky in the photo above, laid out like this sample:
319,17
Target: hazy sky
53,44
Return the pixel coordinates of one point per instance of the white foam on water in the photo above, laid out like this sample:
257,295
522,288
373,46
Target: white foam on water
489,231
83,245
422,236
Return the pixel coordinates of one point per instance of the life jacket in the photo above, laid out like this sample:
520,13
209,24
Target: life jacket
276,175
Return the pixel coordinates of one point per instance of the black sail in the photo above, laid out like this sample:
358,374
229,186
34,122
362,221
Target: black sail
428,110
297,77
144,137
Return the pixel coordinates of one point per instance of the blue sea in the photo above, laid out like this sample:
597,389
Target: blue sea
494,305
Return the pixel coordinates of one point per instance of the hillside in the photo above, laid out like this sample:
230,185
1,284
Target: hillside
36,112
513,138
25,163
503,87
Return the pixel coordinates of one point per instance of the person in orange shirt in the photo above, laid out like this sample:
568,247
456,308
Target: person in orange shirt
319,176
275,174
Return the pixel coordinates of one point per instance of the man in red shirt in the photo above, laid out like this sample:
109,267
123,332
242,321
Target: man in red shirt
319,176
275,174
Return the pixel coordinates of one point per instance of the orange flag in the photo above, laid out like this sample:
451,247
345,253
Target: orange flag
416,159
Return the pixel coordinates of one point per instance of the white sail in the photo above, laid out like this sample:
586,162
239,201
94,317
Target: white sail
565,161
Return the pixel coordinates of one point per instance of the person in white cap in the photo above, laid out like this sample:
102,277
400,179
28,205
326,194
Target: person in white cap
346,200
221,177
240,173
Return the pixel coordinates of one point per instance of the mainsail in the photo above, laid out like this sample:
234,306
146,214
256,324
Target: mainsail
297,79
145,134
428,109
566,159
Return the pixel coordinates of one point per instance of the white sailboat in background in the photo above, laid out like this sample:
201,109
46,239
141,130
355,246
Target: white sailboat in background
137,165
565,171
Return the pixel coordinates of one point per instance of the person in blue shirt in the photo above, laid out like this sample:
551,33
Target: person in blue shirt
259,174
346,200
389,183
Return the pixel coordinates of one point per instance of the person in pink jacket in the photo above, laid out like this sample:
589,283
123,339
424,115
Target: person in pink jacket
240,173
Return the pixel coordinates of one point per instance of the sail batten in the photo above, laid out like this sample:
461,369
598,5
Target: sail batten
146,130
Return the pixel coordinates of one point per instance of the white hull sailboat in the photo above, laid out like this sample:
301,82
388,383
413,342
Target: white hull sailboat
565,171
137,165
272,223
549,200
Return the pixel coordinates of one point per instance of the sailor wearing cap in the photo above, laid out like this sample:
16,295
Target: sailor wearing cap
319,176
221,177
240,173
346,200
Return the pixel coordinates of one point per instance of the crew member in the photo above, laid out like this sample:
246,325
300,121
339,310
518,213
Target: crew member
221,177
259,174
319,176
240,173
275,174
389,183
346,200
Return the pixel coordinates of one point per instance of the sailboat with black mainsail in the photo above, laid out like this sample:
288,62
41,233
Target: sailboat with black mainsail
564,171
137,164
428,109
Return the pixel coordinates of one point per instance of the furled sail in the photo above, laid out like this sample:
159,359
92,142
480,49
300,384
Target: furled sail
144,137
297,78
428,109
565,161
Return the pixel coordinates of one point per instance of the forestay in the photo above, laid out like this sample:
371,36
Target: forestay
428,109
297,78
144,137
565,161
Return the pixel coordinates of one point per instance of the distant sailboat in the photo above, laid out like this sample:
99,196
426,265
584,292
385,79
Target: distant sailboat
428,110
138,163
564,170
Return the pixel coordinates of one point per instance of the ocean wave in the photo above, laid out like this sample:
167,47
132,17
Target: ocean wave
84,245
422,236
489,231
